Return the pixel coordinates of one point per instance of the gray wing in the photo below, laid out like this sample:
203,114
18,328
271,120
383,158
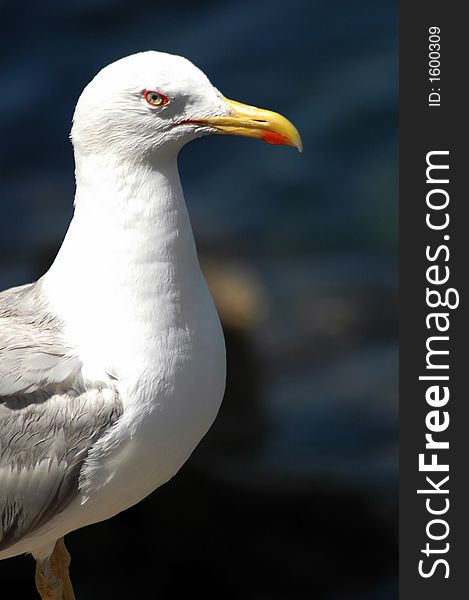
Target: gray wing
44,440
32,352
48,421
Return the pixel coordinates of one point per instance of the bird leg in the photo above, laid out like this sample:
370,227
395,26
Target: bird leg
52,577
64,564
49,586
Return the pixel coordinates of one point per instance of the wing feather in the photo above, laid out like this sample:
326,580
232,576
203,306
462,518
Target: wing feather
33,353
43,445
48,420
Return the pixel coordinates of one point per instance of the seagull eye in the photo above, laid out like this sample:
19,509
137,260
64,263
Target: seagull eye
155,98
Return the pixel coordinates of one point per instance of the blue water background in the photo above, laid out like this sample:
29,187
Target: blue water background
317,231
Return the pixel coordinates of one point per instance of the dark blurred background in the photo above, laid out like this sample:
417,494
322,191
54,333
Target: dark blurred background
293,494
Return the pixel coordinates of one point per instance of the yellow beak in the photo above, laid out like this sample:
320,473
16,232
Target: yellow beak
250,121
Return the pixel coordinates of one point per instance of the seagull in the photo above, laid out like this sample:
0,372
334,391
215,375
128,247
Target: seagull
112,365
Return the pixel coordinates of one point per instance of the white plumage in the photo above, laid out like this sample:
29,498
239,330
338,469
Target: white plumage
120,336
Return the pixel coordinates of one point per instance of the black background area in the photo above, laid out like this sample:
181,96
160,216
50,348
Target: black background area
424,129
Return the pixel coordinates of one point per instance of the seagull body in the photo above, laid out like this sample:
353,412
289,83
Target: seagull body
142,350
112,365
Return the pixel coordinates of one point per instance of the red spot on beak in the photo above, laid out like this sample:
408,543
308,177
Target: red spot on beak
277,139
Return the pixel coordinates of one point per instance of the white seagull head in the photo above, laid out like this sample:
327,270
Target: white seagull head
153,103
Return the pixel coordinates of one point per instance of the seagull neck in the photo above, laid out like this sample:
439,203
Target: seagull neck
130,230
131,189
